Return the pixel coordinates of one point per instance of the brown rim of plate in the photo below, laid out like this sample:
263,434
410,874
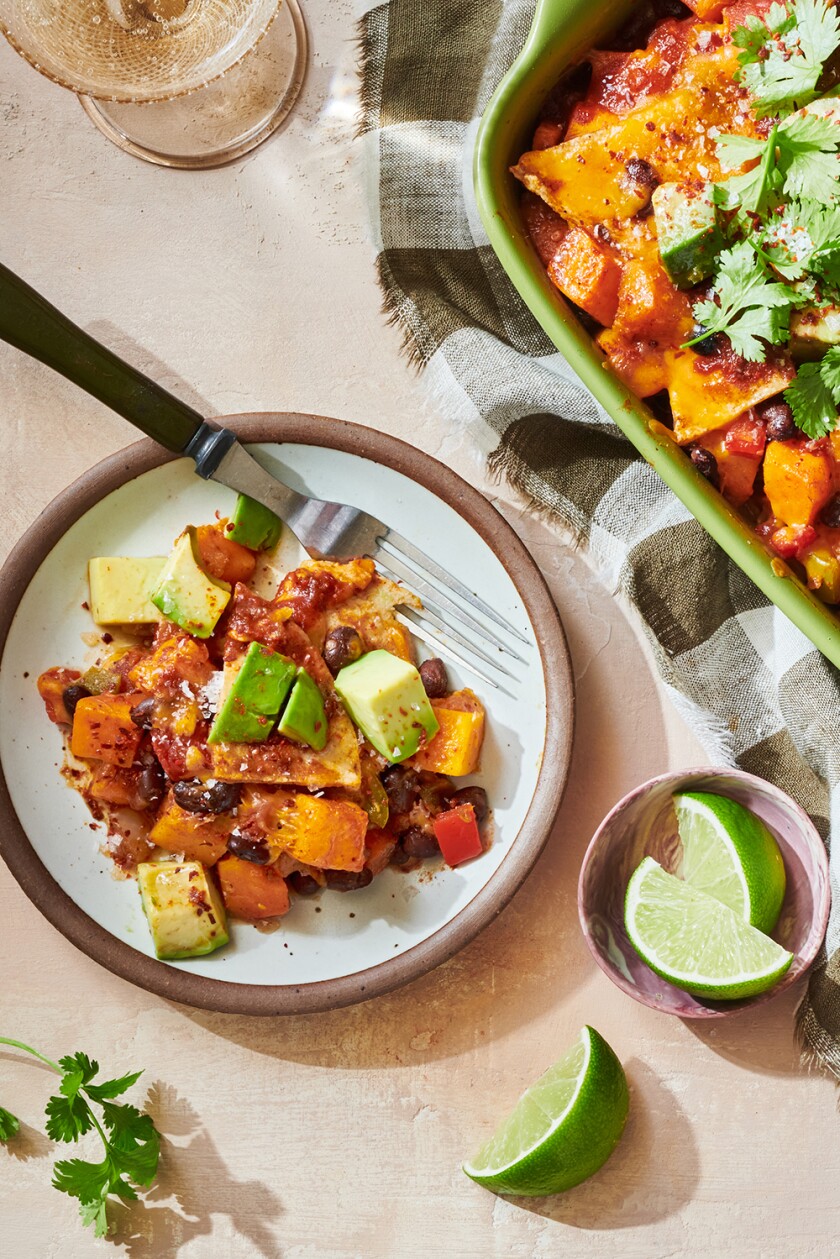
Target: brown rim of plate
236,998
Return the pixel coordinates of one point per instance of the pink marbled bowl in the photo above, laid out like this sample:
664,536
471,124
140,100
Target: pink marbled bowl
643,824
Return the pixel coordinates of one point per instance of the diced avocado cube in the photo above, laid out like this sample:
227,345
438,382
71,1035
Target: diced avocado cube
186,594
385,697
813,331
121,589
304,718
687,231
184,909
253,525
254,689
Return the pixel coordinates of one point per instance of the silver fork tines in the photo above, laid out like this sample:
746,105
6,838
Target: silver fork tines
393,542
438,602
443,648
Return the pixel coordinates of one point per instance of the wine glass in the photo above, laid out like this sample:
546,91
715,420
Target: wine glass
188,83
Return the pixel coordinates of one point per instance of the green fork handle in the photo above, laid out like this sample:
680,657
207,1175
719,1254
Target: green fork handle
31,324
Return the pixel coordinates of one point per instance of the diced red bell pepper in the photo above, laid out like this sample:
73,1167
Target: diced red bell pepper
746,436
457,833
791,540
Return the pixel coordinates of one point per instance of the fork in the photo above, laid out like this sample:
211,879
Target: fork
453,620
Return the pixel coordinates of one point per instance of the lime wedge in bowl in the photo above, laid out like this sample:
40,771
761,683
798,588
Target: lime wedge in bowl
696,942
730,854
562,1129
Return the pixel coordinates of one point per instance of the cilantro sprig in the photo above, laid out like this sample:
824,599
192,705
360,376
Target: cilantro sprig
130,1140
798,159
745,304
814,395
782,57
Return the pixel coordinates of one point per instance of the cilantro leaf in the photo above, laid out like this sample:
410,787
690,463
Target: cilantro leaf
9,1125
807,156
745,304
830,372
68,1118
112,1088
755,325
748,193
734,150
811,401
135,1139
77,1067
782,59
96,1213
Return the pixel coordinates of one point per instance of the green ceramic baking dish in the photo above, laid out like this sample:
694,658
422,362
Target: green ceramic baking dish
561,32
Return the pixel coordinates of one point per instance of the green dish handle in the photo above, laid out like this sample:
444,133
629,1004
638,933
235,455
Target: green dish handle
31,324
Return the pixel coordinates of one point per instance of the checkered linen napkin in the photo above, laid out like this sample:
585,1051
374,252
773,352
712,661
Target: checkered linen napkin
750,685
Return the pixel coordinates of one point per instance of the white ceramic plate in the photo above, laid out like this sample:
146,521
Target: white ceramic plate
334,947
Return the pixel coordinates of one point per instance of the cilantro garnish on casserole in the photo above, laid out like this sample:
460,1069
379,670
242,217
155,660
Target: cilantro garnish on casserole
683,191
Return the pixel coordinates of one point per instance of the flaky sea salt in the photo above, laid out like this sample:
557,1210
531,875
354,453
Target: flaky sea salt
210,695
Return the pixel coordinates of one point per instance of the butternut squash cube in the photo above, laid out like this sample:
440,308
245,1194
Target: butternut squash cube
456,748
103,729
797,481
588,274
250,891
199,836
173,660
327,834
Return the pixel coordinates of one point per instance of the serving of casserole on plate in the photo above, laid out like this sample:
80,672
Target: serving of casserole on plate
178,768
661,184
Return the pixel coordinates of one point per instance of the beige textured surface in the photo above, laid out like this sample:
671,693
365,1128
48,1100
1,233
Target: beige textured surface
339,1136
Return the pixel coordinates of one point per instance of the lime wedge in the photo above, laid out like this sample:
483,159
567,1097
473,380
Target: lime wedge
562,1129
694,941
730,854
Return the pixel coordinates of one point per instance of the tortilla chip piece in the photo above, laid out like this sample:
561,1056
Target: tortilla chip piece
284,762
280,760
372,615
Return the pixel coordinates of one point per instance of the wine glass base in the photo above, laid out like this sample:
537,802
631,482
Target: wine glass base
221,122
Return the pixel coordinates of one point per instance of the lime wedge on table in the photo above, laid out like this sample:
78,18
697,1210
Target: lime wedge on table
729,853
562,1128
694,941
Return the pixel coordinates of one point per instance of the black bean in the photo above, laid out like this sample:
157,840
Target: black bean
303,884
348,880
249,848
399,857
642,173
401,787
830,514
781,426
476,796
419,843
341,647
71,695
709,346
705,462
151,786
142,713
199,797
434,679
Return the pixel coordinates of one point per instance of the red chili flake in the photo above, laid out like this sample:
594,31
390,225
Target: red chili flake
107,638
86,606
